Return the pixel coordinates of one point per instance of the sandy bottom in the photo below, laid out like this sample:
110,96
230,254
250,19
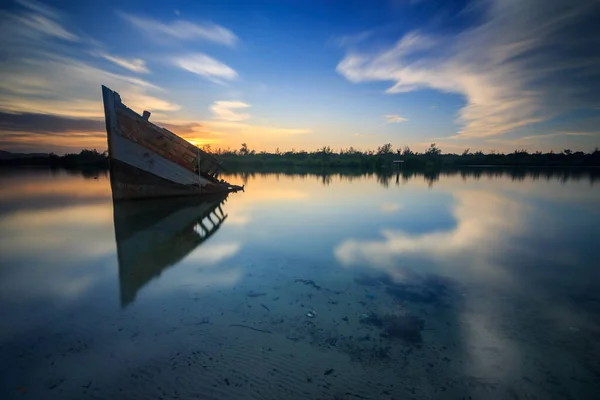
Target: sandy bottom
255,341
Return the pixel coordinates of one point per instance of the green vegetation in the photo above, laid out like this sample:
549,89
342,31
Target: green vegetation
85,158
346,159
384,156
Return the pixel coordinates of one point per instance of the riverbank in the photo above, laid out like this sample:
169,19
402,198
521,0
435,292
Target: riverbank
383,159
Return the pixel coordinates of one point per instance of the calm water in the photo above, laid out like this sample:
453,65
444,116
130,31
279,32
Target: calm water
318,287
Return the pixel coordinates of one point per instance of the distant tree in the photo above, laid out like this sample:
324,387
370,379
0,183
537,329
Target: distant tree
433,150
407,151
207,148
325,150
385,149
466,152
567,152
244,149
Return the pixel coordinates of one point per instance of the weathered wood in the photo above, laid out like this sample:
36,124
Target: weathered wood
150,161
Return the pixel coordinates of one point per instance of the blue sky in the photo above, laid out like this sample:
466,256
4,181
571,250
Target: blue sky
482,74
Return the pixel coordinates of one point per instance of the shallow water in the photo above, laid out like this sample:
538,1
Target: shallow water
480,284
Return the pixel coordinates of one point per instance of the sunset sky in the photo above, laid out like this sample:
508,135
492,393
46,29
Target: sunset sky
482,74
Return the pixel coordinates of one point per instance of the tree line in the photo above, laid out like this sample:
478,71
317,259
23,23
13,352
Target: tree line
85,158
385,155
326,157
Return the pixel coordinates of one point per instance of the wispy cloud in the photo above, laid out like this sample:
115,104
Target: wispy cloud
226,110
48,124
48,27
133,64
352,40
526,62
38,77
39,8
61,86
554,134
394,119
27,132
206,66
43,20
181,29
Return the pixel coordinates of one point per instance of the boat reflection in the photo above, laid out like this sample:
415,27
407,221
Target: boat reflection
154,234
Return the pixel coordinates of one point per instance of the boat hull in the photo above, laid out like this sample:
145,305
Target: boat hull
148,161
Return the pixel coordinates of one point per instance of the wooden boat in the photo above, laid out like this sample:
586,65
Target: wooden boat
154,234
149,161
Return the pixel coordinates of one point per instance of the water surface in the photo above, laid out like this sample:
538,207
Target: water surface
480,283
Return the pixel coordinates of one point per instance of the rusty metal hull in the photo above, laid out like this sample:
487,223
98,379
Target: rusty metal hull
149,161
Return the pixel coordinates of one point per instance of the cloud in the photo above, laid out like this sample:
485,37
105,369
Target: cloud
207,67
65,86
181,29
524,63
394,119
38,77
31,132
133,64
48,124
554,134
352,40
225,110
39,8
43,20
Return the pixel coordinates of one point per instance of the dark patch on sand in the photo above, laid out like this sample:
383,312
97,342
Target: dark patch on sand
309,282
405,327
250,327
252,293
428,289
